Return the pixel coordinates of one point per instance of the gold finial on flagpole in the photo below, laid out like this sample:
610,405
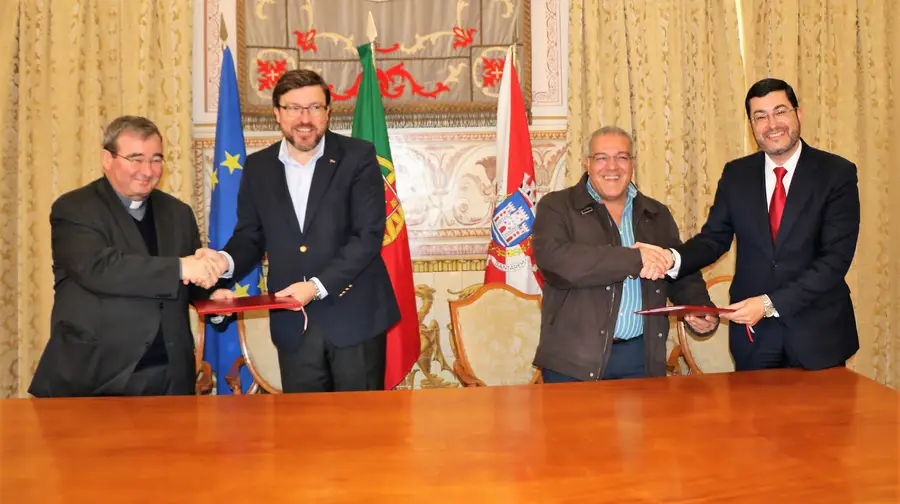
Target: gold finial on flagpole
515,41
223,31
372,34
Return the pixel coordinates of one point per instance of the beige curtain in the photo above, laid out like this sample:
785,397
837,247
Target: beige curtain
840,56
669,72
67,67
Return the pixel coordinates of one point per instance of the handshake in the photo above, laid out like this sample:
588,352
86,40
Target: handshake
656,261
204,268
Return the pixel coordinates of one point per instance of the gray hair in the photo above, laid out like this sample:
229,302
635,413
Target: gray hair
609,130
141,126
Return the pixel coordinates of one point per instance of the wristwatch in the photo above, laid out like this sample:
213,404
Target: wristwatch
768,306
318,295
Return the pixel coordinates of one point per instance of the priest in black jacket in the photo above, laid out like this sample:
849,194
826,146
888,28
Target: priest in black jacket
124,273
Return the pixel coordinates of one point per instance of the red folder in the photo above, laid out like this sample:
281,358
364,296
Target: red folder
246,303
683,310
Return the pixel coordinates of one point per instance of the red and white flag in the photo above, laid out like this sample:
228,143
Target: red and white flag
510,255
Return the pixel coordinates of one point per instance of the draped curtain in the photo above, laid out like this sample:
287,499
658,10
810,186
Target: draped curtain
67,68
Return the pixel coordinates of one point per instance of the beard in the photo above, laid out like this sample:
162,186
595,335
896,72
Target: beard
793,138
300,146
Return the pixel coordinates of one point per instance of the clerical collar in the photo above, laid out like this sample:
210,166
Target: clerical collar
131,204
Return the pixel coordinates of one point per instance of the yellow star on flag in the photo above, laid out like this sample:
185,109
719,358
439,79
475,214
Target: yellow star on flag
262,284
213,180
241,290
232,162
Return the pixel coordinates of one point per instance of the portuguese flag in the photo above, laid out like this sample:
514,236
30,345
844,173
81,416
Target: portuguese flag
369,124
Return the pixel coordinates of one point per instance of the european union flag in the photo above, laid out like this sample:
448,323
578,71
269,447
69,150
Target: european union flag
223,347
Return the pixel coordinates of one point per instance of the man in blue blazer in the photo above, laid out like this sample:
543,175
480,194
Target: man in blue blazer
795,213
314,203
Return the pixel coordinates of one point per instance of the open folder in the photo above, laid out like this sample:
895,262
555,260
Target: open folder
684,310
246,303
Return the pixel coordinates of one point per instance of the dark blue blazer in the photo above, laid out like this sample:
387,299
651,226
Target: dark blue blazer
340,243
803,271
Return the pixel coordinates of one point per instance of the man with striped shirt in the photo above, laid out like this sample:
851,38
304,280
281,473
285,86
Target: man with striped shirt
596,277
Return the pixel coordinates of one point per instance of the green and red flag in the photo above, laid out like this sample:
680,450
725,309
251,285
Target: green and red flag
403,347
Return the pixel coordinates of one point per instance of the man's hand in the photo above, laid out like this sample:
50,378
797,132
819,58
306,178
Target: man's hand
216,257
200,271
702,325
301,291
748,311
656,261
220,294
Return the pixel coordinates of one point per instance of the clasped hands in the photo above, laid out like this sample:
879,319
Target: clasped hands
204,268
656,261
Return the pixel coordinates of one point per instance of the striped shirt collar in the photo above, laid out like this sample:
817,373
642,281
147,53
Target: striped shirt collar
630,193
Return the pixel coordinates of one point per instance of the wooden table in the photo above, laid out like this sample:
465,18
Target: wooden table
774,436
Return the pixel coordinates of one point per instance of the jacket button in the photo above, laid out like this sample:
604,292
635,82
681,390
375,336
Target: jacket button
657,291
660,335
607,287
602,331
592,375
302,248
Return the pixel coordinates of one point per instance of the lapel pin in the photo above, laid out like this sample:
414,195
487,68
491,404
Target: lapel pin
332,161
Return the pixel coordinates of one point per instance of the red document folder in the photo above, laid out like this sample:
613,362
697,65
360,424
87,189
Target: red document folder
246,303
683,310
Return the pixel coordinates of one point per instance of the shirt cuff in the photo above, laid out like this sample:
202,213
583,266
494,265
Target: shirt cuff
230,272
673,273
323,293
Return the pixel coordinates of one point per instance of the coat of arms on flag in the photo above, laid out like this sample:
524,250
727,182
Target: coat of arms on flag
514,216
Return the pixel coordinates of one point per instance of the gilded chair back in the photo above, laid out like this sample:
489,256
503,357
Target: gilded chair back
495,334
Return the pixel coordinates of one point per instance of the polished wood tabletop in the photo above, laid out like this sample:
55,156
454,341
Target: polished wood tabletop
782,436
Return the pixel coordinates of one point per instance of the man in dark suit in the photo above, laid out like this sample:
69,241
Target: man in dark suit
795,212
123,263
314,203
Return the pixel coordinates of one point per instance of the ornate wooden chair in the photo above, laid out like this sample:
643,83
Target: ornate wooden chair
709,354
258,354
495,335
204,383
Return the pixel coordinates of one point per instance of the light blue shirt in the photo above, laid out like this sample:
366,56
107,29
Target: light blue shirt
299,176
628,325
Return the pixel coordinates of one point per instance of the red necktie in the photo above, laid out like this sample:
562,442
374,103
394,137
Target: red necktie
776,207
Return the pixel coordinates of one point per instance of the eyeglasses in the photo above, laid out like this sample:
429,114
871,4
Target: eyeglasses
604,159
316,109
779,113
156,162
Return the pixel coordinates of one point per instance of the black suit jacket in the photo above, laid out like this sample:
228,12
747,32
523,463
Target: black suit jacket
340,243
803,271
111,296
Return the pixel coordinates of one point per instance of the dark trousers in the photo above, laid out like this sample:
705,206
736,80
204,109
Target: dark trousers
768,350
625,361
318,366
